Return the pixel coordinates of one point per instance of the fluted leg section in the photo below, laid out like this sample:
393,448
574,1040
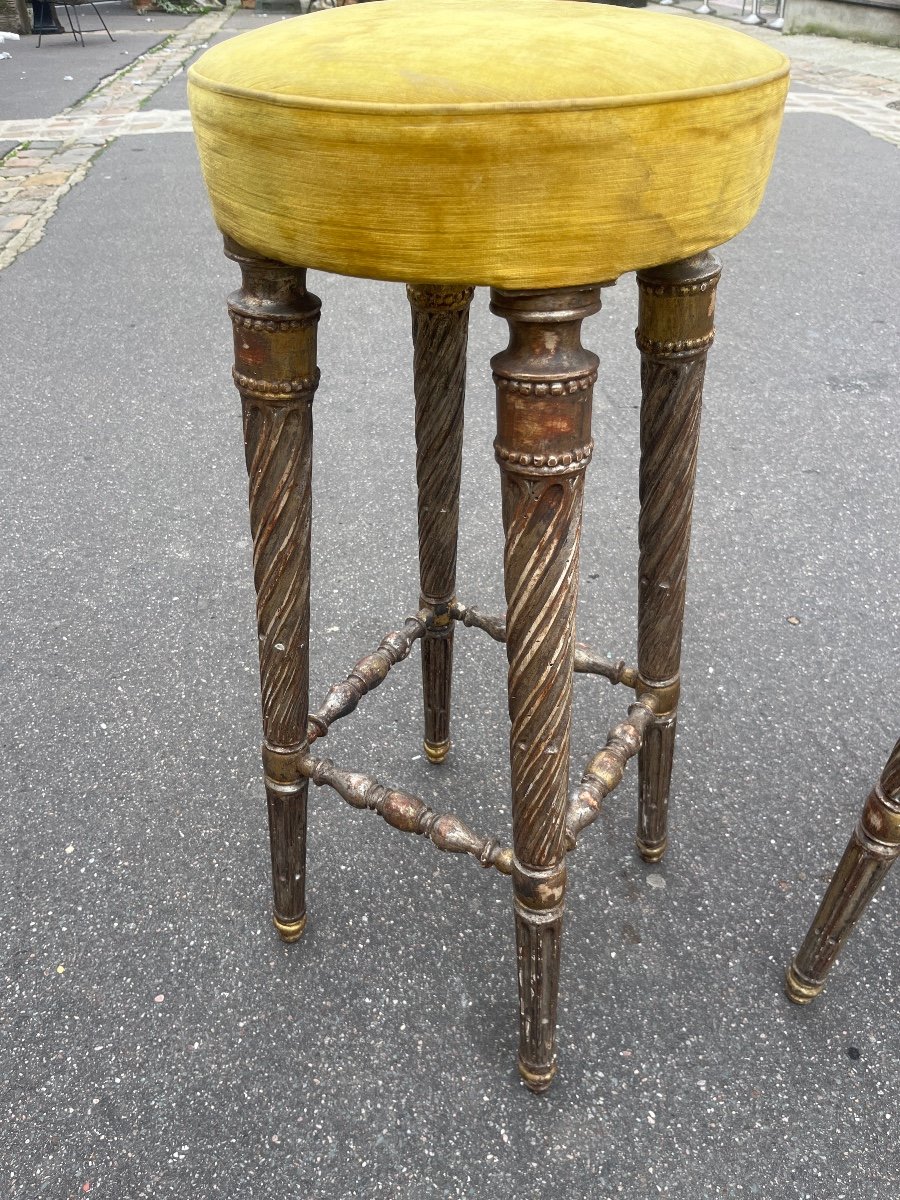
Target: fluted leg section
544,388
440,334
675,330
870,854
274,320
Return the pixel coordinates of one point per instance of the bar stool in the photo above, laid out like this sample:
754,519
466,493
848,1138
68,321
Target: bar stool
540,148
873,849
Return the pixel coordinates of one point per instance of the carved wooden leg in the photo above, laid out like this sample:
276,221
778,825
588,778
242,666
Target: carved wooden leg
544,387
440,333
274,320
870,854
675,330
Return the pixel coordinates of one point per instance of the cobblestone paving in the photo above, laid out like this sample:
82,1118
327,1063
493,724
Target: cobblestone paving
56,152
870,114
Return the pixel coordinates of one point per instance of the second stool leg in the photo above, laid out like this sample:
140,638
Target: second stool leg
675,330
440,333
274,320
544,389
871,852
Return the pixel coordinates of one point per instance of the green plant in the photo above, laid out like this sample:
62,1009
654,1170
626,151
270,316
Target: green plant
819,30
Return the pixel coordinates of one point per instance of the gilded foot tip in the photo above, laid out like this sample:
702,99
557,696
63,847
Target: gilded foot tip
290,931
537,1079
798,989
652,854
436,752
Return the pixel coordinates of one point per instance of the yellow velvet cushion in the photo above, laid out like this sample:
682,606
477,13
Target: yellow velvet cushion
520,143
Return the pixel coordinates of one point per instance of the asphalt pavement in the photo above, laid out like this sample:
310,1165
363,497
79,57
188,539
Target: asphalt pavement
156,1038
40,80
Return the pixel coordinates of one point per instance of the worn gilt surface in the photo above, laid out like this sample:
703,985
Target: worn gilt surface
606,769
274,321
367,674
544,382
440,335
871,852
408,813
675,330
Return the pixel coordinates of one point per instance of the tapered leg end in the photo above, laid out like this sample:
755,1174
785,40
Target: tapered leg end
798,989
651,852
290,931
537,1078
436,752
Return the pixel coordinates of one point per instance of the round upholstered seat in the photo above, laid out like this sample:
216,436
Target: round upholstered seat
519,143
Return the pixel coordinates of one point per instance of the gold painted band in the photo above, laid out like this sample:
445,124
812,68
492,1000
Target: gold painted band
290,931
436,752
800,990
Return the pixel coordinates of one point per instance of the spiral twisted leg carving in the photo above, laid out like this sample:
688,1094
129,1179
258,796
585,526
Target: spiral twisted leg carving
544,388
675,330
871,852
440,334
274,320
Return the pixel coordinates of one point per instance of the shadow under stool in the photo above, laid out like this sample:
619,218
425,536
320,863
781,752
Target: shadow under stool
871,852
542,149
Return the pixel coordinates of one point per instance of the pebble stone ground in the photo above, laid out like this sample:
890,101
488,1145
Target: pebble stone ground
156,1040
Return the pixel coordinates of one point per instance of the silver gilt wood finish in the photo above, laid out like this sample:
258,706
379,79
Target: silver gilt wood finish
274,320
440,320
544,382
675,330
